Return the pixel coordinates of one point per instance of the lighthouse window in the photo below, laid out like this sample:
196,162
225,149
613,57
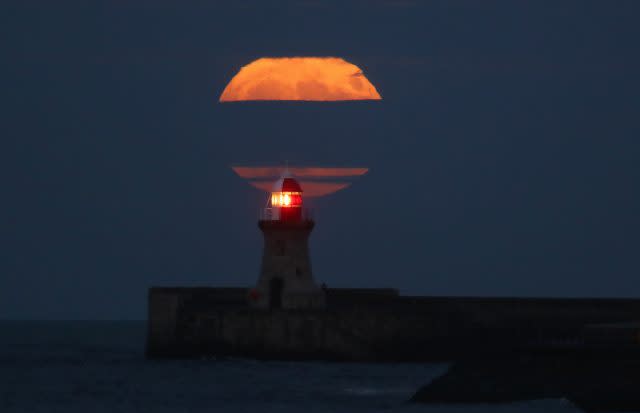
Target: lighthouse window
280,247
286,199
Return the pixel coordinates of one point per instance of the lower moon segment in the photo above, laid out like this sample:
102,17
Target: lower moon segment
314,181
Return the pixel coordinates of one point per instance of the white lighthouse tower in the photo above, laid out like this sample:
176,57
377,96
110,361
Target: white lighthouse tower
286,280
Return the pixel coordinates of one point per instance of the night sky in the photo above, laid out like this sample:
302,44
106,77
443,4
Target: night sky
503,157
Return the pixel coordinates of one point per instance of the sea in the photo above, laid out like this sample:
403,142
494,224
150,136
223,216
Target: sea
99,366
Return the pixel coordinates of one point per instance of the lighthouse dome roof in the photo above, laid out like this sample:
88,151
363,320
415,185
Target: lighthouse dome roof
287,183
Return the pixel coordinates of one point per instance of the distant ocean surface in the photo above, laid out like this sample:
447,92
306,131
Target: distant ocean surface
100,367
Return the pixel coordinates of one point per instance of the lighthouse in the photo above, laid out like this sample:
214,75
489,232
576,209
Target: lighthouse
286,280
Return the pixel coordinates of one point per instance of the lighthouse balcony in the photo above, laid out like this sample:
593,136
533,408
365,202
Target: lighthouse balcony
279,214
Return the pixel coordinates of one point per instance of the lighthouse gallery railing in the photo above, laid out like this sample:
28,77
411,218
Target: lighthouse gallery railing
272,214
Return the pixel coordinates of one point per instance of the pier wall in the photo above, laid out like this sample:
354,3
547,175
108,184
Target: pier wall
380,325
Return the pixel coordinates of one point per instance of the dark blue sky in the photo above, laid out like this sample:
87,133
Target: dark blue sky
504,156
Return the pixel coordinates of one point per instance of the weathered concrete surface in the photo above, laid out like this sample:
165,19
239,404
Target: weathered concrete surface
595,384
166,314
379,325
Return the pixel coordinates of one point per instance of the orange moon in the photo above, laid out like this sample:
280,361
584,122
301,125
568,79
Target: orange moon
299,78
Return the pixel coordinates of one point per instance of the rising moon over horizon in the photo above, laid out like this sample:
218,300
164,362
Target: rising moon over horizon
299,78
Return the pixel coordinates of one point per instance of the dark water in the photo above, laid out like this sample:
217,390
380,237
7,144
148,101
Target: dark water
100,367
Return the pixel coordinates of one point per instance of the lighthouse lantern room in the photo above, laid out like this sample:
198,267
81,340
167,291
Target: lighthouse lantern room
285,203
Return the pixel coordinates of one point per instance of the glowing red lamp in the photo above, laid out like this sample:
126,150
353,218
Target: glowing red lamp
286,200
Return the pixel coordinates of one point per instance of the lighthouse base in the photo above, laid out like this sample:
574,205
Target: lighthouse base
379,325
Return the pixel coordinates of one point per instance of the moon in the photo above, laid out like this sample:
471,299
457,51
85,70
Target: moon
315,181
299,78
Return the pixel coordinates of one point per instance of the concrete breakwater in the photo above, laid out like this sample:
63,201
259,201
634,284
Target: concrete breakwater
380,325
